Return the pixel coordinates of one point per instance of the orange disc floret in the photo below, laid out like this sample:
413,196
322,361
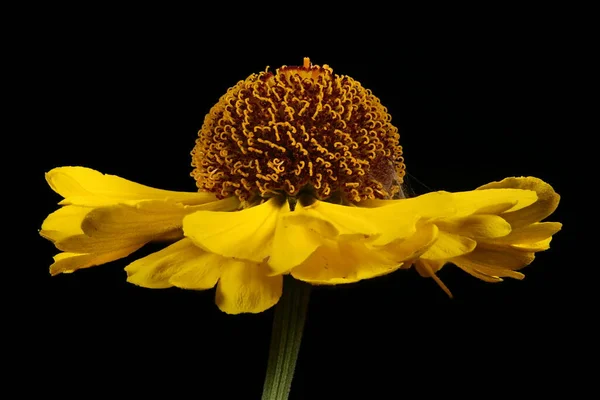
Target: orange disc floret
302,128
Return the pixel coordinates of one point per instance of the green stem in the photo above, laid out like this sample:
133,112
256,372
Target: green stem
288,324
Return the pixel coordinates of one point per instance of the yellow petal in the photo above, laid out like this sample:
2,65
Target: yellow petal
397,219
64,222
497,208
70,262
299,233
547,202
535,247
482,200
146,218
295,239
113,227
246,234
87,187
245,287
86,244
485,272
180,264
497,257
449,245
413,246
430,205
482,276
440,204
394,222
63,227
201,274
475,226
77,229
498,272
343,262
345,220
531,233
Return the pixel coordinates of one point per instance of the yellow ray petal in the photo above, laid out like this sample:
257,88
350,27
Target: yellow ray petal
246,234
64,228
113,227
343,262
497,208
64,222
299,233
147,218
547,202
499,272
482,200
498,257
430,205
87,187
475,226
394,222
449,245
482,276
413,246
485,272
530,234
295,239
245,287
86,244
203,273
180,264
345,220
397,219
70,262
535,247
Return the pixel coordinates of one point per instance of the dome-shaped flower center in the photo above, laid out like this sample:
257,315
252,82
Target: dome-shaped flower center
300,129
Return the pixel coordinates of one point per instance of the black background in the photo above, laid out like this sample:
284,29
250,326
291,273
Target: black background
129,101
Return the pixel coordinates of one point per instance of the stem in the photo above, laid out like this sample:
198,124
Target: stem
288,324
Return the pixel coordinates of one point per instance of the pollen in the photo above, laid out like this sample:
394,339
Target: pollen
300,129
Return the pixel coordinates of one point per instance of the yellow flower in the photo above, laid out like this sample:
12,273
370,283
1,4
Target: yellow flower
299,172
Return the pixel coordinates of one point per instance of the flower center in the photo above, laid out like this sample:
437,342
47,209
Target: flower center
300,129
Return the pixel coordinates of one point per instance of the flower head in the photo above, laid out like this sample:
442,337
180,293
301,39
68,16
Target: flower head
301,129
299,172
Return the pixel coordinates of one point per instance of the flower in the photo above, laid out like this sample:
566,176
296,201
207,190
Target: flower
298,172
